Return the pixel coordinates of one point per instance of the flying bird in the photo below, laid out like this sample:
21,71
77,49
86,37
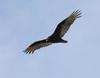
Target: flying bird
56,37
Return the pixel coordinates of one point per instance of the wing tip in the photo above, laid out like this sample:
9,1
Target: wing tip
77,13
29,51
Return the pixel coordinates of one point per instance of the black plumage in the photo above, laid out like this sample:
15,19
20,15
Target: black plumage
59,32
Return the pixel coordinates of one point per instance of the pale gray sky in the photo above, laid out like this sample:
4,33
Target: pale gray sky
24,21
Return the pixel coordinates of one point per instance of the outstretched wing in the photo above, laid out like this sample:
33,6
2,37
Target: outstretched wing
63,26
37,45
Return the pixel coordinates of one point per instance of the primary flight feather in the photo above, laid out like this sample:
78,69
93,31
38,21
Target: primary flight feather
59,32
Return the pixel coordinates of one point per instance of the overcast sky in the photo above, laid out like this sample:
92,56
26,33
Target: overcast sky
24,21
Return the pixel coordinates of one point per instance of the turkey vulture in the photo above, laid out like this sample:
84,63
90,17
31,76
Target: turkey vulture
56,37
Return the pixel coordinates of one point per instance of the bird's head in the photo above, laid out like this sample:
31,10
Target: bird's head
47,40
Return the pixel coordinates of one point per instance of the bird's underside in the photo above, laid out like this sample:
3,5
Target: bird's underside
56,37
